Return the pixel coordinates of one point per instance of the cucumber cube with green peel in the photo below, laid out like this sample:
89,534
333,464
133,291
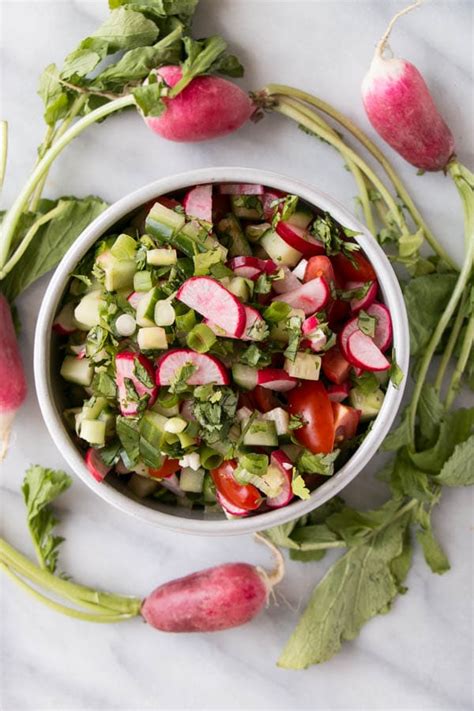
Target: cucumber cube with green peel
162,223
77,370
93,431
152,338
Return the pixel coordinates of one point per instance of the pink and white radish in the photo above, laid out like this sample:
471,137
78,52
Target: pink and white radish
343,336
299,239
64,324
280,461
213,301
241,189
252,267
402,111
338,393
230,508
215,599
289,282
207,108
12,377
310,325
125,370
252,317
198,202
310,297
365,301
271,204
96,465
134,298
383,326
276,379
363,353
207,368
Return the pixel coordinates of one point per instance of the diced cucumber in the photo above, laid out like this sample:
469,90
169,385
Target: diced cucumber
142,281
93,431
261,433
191,480
142,486
278,250
209,490
87,312
196,232
152,338
244,376
230,231
118,273
369,405
247,207
108,418
279,331
92,408
146,308
77,370
124,248
254,233
281,419
161,257
302,216
240,288
163,223
305,366
152,428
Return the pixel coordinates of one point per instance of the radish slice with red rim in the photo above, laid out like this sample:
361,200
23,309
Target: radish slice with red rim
126,370
276,379
383,327
279,460
363,353
198,202
347,330
229,507
213,301
96,465
252,267
299,239
338,393
64,324
310,297
365,301
207,368
241,189
290,282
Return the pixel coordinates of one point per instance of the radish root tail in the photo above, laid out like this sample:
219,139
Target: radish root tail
276,575
382,44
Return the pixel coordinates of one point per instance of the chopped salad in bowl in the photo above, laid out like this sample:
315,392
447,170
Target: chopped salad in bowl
227,350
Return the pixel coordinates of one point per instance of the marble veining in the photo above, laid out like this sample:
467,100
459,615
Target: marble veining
419,656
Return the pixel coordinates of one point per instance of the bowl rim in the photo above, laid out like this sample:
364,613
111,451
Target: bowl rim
42,348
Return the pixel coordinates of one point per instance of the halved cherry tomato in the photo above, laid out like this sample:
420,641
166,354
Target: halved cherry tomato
337,311
264,399
245,496
171,203
311,401
319,266
346,421
335,367
168,468
361,270
246,400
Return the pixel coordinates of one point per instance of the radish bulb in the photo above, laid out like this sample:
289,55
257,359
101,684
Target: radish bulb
400,107
12,377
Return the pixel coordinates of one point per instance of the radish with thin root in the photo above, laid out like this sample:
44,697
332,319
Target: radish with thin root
401,109
12,377
218,598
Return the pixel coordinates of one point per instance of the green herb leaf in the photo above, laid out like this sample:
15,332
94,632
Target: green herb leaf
40,488
129,436
328,231
294,337
296,422
142,374
179,383
317,463
299,487
366,323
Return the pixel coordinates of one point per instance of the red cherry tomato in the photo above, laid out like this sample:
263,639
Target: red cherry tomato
245,496
338,311
168,468
264,399
311,400
319,266
335,367
361,270
346,421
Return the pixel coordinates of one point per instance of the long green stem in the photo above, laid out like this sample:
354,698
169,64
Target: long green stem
462,362
65,588
344,121
466,192
288,110
3,151
358,177
13,215
453,337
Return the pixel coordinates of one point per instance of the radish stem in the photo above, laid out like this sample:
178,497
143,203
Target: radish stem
13,215
461,364
453,337
402,192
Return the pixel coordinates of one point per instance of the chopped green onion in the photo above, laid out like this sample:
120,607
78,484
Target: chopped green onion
201,338
185,322
276,311
166,399
210,458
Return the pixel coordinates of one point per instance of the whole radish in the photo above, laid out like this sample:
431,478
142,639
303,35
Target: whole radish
402,111
12,378
207,108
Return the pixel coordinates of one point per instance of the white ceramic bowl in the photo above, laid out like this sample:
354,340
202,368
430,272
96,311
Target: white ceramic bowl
49,388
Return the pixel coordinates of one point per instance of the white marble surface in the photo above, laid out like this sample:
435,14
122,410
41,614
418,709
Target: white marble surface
417,657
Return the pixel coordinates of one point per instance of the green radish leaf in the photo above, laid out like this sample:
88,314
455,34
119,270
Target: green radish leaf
456,427
124,30
360,585
40,488
434,554
229,65
150,98
314,537
353,526
407,480
54,96
79,63
426,298
160,8
430,415
51,242
399,437
307,556
401,565
458,470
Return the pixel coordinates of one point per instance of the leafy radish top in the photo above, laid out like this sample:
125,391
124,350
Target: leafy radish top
228,349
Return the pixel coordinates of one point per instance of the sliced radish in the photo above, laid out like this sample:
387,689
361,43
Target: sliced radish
299,239
310,325
363,353
213,301
252,316
365,301
125,370
290,282
229,507
208,369
280,461
276,379
241,189
198,202
338,393
310,297
95,465
252,267
134,298
172,484
383,327
64,324
270,204
347,330
300,269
